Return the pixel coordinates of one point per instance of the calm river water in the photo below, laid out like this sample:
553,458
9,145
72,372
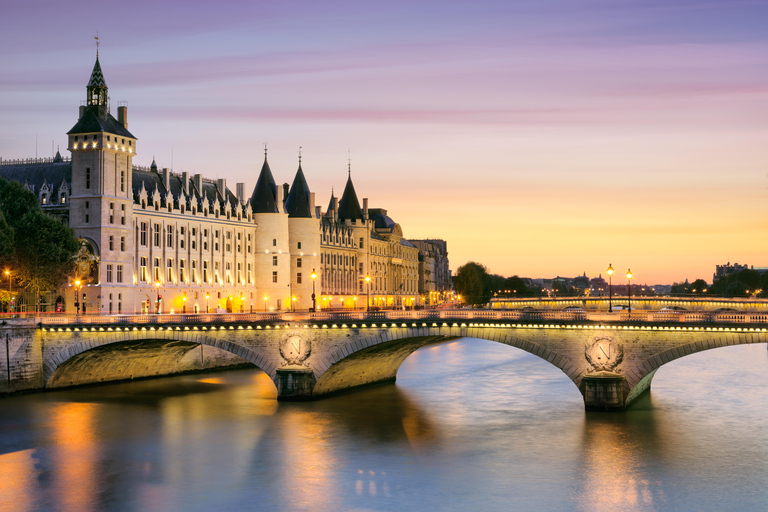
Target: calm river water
470,425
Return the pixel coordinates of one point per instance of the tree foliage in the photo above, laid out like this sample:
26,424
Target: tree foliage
38,249
741,284
473,283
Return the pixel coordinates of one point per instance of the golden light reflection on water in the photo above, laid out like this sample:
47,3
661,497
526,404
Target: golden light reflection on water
17,481
308,460
612,470
75,456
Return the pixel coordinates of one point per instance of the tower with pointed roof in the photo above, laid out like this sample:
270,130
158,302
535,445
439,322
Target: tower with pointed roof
101,203
304,240
273,259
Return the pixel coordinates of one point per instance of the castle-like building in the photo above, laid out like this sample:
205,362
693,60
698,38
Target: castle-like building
157,241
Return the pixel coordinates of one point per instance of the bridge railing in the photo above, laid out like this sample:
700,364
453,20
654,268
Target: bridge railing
478,315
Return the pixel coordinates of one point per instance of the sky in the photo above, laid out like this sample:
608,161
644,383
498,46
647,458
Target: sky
538,138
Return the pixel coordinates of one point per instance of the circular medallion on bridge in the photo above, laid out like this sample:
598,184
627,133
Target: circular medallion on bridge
295,347
604,353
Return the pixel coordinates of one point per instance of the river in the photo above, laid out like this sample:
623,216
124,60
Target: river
470,425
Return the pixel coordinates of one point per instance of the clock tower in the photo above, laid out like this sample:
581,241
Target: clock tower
101,201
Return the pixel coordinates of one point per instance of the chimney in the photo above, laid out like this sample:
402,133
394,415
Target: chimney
241,192
82,111
185,180
122,116
312,202
279,199
167,179
286,191
365,208
335,208
221,184
198,180
318,212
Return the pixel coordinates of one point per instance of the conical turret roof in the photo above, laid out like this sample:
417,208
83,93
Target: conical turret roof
297,202
349,206
264,197
330,203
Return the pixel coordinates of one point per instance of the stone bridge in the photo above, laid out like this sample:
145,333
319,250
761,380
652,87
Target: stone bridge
612,360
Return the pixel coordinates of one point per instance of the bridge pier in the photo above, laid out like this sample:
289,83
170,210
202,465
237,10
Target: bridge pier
603,391
294,383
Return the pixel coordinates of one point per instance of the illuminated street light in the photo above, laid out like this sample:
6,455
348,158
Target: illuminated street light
184,301
207,296
77,294
265,303
313,275
157,303
610,286
629,293
368,300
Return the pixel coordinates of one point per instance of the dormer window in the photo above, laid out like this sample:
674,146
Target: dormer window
63,198
44,199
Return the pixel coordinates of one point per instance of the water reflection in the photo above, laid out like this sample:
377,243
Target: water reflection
469,426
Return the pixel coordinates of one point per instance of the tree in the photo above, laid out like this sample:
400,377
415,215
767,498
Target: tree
517,287
39,248
472,283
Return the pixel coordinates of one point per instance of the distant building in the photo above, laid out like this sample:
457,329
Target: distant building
434,275
728,269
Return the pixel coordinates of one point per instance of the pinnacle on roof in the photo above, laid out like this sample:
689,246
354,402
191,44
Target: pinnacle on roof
330,203
349,206
97,76
153,167
57,158
264,197
297,202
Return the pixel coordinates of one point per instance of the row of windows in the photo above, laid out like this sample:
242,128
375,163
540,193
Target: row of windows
334,259
170,277
169,236
94,137
119,273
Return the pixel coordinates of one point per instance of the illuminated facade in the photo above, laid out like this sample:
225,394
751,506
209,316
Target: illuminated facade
158,241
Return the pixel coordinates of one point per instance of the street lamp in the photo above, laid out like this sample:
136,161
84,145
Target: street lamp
629,293
77,294
184,301
265,303
313,275
610,286
207,296
157,303
368,300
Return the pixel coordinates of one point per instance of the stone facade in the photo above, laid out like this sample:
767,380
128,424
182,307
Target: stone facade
160,242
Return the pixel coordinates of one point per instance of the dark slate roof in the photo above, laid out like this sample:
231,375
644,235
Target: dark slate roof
91,122
297,202
349,206
97,77
330,203
382,221
264,197
52,173
406,243
376,236
198,198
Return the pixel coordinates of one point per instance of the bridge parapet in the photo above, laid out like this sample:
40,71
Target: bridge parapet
516,315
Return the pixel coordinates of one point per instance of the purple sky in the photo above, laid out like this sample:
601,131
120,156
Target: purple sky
539,138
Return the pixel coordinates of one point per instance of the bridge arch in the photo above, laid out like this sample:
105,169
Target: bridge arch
378,356
137,344
640,376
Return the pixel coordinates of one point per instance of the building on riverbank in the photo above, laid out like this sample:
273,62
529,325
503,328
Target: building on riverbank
153,240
